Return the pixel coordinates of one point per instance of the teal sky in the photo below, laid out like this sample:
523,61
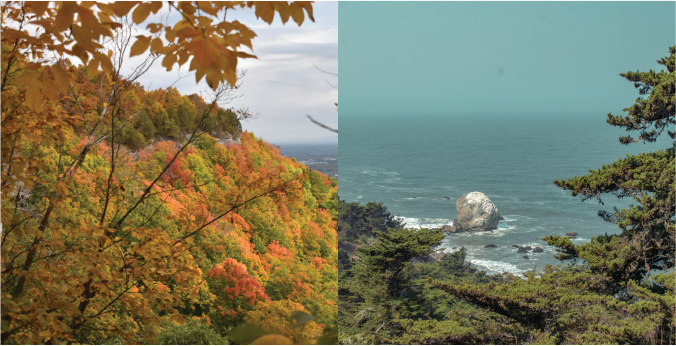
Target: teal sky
436,58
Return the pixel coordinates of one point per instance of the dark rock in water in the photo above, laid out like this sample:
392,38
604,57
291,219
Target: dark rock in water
447,197
538,250
523,249
448,229
490,246
500,218
516,246
571,234
455,247
525,257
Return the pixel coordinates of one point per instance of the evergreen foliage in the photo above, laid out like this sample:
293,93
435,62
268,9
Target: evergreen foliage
356,220
617,289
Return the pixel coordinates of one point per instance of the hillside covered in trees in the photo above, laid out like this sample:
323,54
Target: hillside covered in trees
148,216
226,233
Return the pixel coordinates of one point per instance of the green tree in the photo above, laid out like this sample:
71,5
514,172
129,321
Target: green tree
379,289
611,298
646,241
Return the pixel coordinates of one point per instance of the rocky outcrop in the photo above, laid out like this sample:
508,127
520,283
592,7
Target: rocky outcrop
571,234
490,246
475,213
538,250
227,139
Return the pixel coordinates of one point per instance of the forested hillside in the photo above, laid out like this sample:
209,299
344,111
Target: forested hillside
225,231
124,220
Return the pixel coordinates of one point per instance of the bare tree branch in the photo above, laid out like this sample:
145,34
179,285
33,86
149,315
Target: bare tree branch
321,125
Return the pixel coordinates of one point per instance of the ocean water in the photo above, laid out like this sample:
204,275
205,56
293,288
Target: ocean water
411,163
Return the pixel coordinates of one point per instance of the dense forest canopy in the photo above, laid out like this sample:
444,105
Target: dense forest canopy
148,216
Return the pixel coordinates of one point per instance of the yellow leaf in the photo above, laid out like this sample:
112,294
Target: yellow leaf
64,16
39,7
265,12
183,57
283,9
155,6
154,27
106,65
168,61
105,104
33,101
87,18
93,66
170,34
156,45
61,77
107,9
121,8
110,53
27,80
49,89
140,46
307,5
186,7
141,13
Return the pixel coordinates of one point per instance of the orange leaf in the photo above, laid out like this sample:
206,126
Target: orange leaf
202,51
140,46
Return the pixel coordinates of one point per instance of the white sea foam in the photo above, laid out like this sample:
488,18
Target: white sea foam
412,222
494,267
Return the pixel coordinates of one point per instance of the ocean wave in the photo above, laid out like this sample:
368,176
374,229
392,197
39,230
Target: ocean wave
372,172
494,267
413,222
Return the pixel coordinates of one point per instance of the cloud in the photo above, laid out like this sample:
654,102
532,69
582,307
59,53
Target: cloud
282,85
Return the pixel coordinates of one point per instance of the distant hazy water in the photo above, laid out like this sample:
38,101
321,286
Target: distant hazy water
411,163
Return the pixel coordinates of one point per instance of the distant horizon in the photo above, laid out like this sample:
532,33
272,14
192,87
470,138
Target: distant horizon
412,58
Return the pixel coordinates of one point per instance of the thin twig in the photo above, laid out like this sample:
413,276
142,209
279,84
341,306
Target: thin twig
321,125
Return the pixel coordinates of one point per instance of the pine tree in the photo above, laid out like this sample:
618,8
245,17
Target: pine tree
609,299
647,238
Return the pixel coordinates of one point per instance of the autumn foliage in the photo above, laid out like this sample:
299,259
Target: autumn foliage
122,214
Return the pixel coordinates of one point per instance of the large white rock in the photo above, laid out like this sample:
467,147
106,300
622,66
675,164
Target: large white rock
476,213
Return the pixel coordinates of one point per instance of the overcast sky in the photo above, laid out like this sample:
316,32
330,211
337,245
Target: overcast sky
282,85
